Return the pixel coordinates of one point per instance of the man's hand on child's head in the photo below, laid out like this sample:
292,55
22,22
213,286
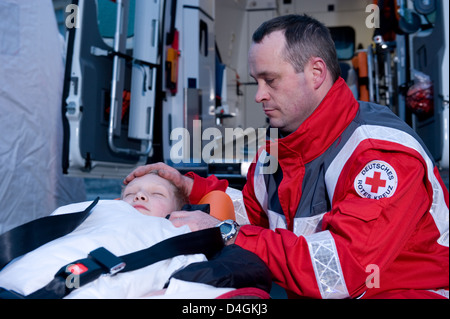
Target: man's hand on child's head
165,171
140,171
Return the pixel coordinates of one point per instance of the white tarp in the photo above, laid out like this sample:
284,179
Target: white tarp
31,80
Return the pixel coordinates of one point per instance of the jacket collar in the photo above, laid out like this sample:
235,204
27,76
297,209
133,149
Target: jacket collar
322,127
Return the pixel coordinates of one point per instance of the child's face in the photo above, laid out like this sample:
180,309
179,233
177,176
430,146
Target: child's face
151,195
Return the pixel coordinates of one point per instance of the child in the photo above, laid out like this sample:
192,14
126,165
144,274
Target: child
128,225
153,195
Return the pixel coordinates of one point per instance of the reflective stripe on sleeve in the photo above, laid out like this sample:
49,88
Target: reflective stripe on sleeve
326,264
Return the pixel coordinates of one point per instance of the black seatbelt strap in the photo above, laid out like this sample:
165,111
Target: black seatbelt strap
101,261
27,237
208,242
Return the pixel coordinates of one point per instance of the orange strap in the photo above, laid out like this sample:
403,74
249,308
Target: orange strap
360,65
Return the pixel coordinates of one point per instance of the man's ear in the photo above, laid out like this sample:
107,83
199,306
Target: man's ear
319,71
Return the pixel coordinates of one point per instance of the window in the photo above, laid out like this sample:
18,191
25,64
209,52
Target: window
344,40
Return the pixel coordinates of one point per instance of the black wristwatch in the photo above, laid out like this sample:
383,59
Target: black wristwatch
228,228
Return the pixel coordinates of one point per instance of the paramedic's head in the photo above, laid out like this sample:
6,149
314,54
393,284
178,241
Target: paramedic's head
293,60
153,195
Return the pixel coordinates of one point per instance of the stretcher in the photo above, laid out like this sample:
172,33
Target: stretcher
116,229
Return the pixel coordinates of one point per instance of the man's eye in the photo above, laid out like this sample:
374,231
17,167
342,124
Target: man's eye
269,81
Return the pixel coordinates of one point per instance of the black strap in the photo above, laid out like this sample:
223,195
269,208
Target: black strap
191,207
208,242
29,236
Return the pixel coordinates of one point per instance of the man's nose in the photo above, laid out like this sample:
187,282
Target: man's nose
261,95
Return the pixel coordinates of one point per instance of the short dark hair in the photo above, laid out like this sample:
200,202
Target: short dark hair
305,37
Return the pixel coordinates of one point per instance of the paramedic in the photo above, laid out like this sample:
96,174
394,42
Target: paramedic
356,207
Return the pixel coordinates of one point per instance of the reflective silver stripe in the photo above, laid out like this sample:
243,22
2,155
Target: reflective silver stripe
304,226
438,210
441,292
239,206
259,185
276,220
327,266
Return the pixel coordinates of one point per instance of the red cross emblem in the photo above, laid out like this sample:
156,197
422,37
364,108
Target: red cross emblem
375,182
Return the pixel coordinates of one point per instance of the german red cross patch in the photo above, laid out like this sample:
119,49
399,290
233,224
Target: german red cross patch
376,180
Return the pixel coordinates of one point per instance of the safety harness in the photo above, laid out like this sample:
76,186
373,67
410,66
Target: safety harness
100,261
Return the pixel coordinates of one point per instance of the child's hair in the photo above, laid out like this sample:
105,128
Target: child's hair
180,196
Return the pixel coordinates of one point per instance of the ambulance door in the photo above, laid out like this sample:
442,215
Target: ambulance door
199,72
428,47
189,106
109,91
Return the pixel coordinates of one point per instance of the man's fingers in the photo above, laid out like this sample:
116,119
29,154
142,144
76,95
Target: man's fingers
182,182
142,170
165,171
196,220
137,172
174,176
178,218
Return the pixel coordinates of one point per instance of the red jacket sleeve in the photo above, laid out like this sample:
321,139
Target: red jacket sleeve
203,185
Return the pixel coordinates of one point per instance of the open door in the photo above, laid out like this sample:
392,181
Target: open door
110,86
428,53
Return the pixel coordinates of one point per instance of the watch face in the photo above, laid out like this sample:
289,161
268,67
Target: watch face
225,228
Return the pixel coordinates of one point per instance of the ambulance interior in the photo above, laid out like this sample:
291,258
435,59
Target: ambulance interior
205,82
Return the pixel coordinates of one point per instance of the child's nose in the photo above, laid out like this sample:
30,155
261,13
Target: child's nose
140,196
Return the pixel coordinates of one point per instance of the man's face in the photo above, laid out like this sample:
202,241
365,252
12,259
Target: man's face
286,96
151,195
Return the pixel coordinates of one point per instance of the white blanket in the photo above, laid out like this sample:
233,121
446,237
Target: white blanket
119,228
